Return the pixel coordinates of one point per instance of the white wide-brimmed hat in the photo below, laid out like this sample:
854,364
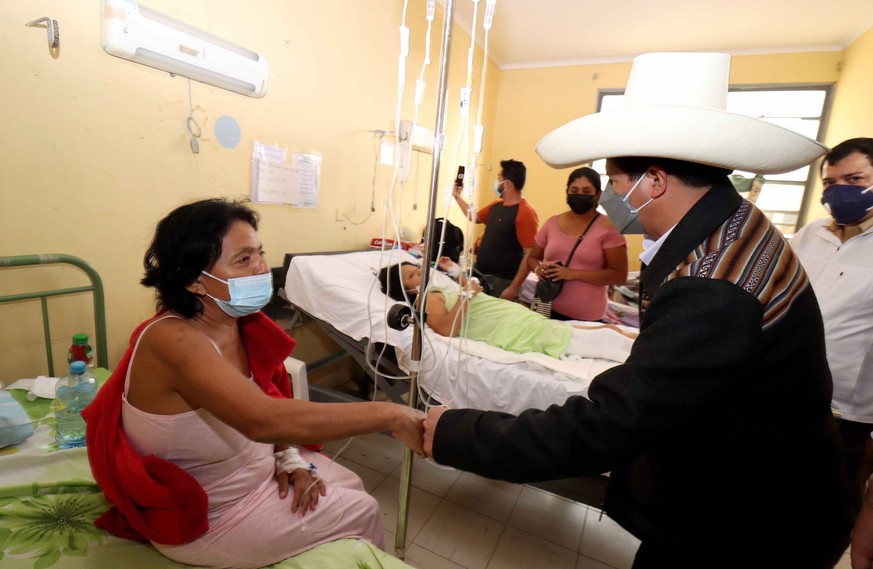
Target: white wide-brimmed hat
674,107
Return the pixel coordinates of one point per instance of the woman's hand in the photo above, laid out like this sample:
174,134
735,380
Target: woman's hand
409,428
307,489
555,272
473,285
450,267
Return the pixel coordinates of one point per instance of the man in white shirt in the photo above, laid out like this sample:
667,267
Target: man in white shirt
837,253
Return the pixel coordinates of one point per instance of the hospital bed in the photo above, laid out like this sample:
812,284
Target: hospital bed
341,292
48,497
378,361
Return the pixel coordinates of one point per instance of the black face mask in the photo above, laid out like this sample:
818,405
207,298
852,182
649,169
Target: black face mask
580,203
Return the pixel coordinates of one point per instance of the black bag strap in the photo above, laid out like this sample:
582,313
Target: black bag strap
581,237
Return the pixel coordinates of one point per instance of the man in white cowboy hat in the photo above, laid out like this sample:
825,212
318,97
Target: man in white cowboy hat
717,430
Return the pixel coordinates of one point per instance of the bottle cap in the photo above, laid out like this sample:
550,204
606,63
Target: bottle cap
77,367
80,339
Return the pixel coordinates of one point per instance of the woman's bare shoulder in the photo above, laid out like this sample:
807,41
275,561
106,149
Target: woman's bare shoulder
556,219
168,352
170,324
174,335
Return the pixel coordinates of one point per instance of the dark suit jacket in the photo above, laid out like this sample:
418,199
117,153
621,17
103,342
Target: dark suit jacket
717,430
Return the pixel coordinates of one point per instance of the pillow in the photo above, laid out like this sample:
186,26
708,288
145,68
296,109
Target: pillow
15,425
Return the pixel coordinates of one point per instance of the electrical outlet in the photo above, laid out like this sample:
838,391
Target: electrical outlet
339,215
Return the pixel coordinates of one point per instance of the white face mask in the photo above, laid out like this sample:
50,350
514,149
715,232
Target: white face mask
497,189
247,294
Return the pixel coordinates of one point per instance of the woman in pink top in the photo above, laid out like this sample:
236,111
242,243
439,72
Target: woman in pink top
599,260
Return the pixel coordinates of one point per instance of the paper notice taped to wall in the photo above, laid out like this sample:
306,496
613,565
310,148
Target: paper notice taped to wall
275,180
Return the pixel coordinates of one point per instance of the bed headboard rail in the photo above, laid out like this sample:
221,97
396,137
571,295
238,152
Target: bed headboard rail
96,288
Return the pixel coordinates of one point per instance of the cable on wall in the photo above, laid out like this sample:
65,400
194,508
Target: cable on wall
194,130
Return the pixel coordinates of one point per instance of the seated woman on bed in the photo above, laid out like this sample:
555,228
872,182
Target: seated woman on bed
501,323
191,439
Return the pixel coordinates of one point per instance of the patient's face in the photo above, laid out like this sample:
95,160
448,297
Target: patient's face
242,254
410,276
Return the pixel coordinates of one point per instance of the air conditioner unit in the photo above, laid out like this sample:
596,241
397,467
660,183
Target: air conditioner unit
422,137
138,33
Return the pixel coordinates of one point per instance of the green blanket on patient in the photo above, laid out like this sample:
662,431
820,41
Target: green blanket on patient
511,326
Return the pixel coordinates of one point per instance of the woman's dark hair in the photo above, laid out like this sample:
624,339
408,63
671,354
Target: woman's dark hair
187,241
588,173
691,174
391,282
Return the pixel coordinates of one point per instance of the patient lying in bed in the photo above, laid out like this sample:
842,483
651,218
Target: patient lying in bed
501,323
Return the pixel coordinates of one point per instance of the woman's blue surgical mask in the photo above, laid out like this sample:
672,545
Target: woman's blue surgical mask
497,189
847,204
247,294
620,212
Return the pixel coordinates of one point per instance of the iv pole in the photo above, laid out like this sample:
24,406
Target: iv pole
439,138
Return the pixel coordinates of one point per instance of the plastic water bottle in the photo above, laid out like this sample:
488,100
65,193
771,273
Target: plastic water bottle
72,394
80,350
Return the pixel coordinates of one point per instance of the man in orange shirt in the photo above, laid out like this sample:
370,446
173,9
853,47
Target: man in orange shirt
510,227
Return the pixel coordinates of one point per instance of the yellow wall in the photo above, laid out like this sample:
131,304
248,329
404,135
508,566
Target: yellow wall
95,149
532,102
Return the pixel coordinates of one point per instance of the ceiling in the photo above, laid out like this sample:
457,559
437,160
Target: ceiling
544,33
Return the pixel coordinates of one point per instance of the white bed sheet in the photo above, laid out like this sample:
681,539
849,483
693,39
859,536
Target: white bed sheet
458,372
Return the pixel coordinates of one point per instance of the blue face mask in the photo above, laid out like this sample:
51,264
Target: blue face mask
620,212
847,204
247,294
497,189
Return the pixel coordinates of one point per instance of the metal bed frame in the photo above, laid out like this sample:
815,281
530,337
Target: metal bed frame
590,490
96,288
361,352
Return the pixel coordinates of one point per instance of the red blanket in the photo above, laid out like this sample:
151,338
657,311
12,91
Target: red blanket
153,499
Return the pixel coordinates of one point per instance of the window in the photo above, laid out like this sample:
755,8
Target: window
803,109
